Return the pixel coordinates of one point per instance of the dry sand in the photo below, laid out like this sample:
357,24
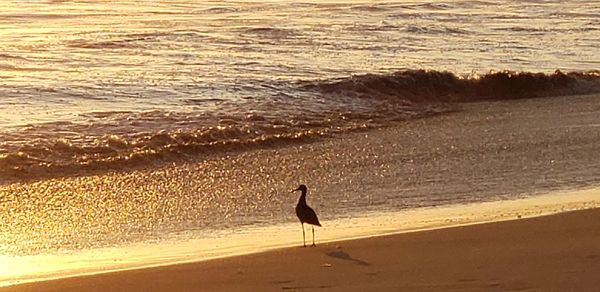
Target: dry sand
551,253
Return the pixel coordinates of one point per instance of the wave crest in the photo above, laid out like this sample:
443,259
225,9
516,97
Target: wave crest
427,86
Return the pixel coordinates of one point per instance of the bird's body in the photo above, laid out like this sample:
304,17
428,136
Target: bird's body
305,213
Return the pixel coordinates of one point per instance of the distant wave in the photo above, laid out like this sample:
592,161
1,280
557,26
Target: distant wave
112,44
434,30
7,67
271,32
334,107
219,10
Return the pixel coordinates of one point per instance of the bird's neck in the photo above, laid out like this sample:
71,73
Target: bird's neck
302,199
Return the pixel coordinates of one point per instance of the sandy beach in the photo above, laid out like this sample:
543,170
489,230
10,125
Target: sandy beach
549,253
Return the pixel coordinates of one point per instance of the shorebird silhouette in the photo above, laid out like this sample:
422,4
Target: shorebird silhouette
306,214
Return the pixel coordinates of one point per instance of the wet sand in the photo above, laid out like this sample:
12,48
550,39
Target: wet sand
549,253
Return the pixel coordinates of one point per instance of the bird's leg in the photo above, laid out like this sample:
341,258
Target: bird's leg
313,230
303,236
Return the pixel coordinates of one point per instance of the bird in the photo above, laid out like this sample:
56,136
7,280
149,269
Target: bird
306,214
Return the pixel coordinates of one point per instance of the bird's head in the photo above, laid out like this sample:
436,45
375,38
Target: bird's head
301,188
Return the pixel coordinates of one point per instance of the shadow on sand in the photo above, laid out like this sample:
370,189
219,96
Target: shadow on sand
340,254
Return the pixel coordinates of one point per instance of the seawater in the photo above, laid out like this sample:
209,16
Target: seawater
95,85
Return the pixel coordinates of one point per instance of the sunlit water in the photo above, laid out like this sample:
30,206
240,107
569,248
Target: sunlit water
92,73
106,109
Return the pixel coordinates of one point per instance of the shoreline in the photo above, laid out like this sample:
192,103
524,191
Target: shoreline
519,239
244,242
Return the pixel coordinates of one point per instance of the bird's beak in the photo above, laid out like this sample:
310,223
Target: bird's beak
295,190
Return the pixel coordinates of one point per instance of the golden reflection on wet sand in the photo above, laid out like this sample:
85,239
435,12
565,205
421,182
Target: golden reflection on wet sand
194,246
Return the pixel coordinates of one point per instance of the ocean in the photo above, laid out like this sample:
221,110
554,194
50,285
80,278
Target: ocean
129,122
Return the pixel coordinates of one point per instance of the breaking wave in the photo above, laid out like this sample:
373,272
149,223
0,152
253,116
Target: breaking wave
429,86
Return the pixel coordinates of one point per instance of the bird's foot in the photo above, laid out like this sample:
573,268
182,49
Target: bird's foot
314,245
